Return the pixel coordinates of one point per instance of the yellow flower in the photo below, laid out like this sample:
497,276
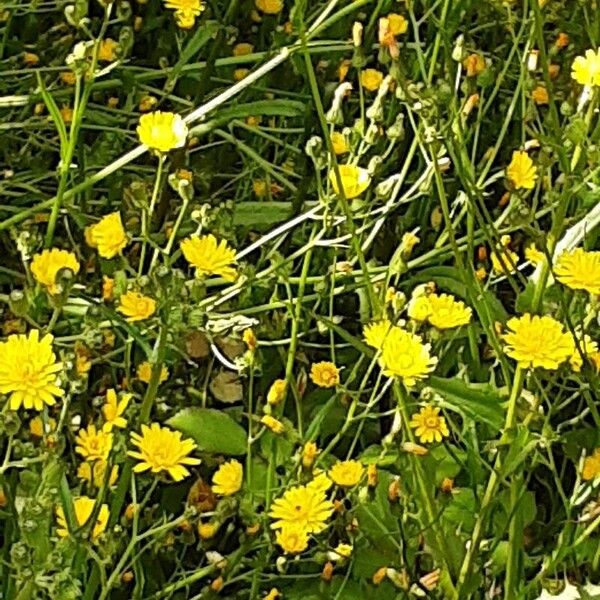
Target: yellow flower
37,428
144,372
579,270
474,64
113,410
243,49
372,475
269,7
371,79
207,531
94,473
346,473
162,131
405,356
273,594
533,255
277,391
588,348
29,371
355,180
429,426
535,341
239,74
160,449
46,265
209,256
325,374
108,288
107,50
108,236
273,424
338,141
83,507
343,550
185,19
249,338
228,479
409,241
186,11
591,466
375,333
310,451
68,77
397,24
586,69
506,256
136,307
304,506
147,103
320,483
93,444
292,539
447,312
521,171
540,95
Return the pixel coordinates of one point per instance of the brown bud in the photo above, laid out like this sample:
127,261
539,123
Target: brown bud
327,572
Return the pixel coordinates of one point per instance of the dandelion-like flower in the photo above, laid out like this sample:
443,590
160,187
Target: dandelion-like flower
83,508
504,261
429,426
303,506
375,333
273,424
162,131
355,180
107,50
93,444
292,539
144,372
586,347
447,312
28,371
346,473
591,466
276,392
228,478
209,256
535,341
338,141
579,270
310,451
94,473
325,374
114,409
521,171
586,69
46,265
136,307
397,24
107,235
269,7
371,79
533,255
161,449
419,308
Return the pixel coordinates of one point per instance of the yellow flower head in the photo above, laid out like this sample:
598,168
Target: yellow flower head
375,333
207,531
304,506
588,347
37,427
292,539
371,79
144,372
107,50
447,312
579,270
269,7
192,6
521,171
320,483
28,371
228,478
474,64
84,507
310,451
107,235
504,261
136,307
273,424
162,131
429,426
591,466
46,265
93,444
405,356
397,24
343,550
276,392
346,473
540,95
95,472
160,449
419,308
533,255
325,374
355,180
209,256
586,69
185,19
108,288
535,341
338,141
113,410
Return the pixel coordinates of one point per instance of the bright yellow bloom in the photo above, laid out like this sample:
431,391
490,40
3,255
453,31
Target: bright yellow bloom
346,473
325,374
107,50
144,372
136,307
375,333
162,131
304,506
83,507
320,483
586,69
93,444
419,308
343,550
509,258
277,391
429,426
292,539
338,141
160,449
273,594
371,79
591,466
397,24
521,171
447,312
207,531
46,265
37,427
588,348
273,424
29,371
310,451
405,356
113,410
209,256
94,473
249,338
355,180
228,478
579,270
186,19
540,95
535,341
107,235
269,7
533,255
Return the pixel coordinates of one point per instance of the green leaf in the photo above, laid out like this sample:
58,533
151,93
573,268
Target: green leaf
265,214
213,430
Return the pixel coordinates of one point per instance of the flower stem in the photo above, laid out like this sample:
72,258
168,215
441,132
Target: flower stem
147,215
